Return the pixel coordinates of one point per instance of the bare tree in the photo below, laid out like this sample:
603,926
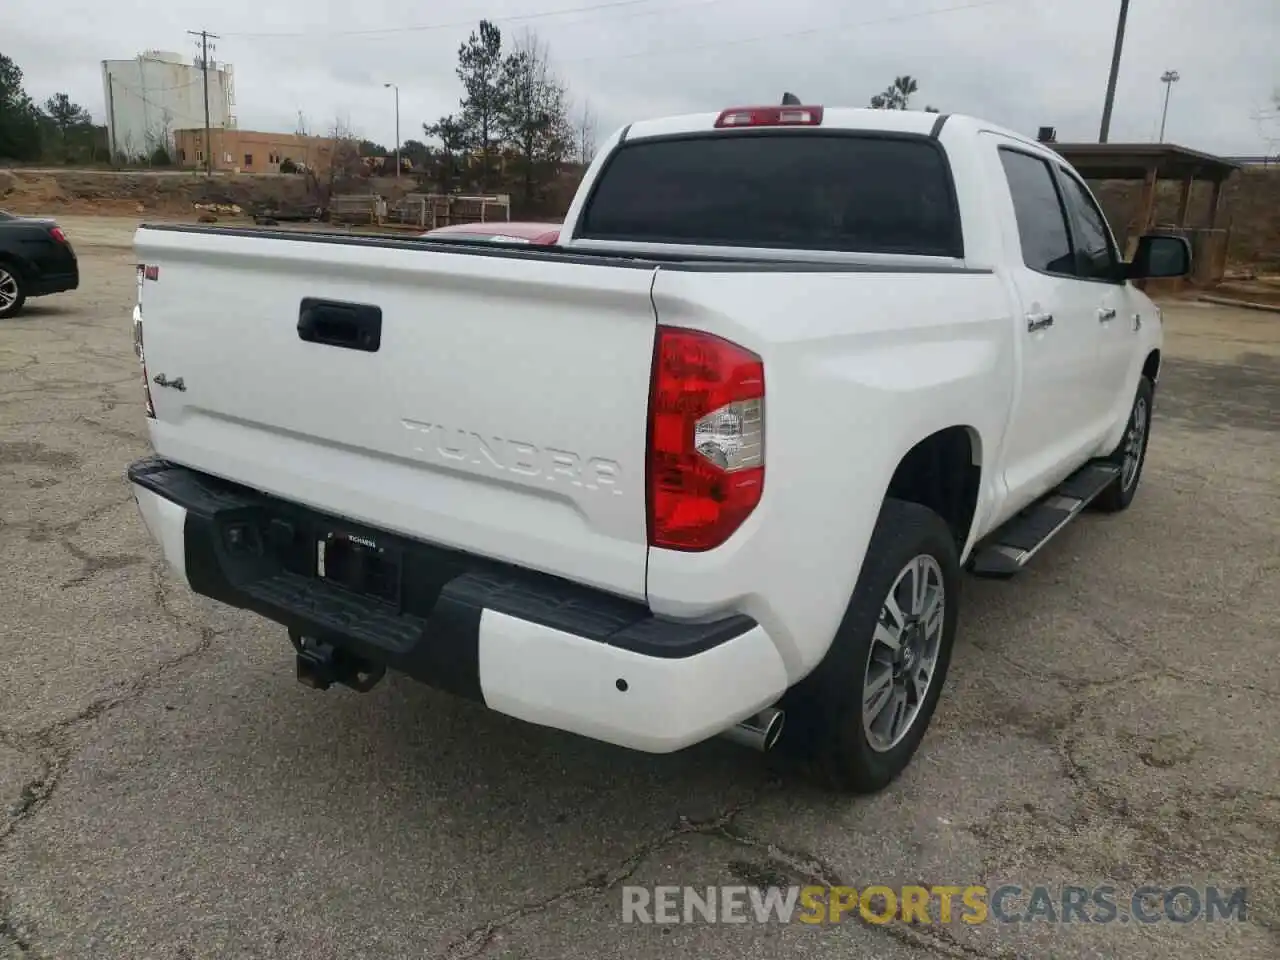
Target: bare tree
1267,120
166,133
127,151
151,144
343,168
586,134
534,119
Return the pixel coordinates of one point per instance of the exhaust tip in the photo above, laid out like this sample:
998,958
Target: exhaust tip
760,732
774,730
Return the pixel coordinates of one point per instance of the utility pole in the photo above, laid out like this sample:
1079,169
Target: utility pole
396,87
1168,78
111,112
1115,72
205,36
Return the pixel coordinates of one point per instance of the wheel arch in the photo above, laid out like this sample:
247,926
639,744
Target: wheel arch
944,473
1151,366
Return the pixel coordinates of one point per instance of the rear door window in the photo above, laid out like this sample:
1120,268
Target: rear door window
794,190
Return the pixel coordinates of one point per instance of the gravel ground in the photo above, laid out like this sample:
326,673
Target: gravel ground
168,790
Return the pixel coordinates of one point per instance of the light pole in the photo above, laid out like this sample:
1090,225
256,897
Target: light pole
396,88
1168,78
1115,72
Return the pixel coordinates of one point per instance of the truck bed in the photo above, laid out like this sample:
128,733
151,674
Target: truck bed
499,404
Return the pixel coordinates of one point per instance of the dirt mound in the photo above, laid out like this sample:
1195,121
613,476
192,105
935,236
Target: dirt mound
18,190
175,193
107,192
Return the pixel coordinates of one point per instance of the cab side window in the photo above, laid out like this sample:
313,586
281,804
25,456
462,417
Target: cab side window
1041,216
1096,257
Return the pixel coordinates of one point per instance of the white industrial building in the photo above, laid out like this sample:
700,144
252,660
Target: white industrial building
158,92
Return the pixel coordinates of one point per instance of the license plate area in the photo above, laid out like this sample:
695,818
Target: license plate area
359,565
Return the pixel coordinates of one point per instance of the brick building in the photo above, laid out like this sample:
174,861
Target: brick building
251,151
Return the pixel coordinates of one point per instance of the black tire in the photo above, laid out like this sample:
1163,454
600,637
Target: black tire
1120,493
824,712
10,281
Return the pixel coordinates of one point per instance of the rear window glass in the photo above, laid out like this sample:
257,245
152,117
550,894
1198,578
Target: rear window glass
841,192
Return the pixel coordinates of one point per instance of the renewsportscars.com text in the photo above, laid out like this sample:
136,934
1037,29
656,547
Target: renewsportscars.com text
972,904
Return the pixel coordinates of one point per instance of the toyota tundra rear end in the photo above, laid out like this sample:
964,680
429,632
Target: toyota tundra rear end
536,476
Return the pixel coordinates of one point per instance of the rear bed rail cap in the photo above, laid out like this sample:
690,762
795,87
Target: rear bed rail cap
605,254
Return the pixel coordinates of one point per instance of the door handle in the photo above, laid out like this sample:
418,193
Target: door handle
1038,321
351,326
1106,313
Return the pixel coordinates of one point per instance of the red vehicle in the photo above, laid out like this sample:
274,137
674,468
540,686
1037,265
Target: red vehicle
500,231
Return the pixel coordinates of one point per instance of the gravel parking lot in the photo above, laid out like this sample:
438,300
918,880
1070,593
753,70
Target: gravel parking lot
168,790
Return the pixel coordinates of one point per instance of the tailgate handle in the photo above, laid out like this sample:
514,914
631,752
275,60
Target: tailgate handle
352,326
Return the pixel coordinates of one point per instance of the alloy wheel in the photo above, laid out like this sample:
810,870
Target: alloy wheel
8,289
904,653
1134,443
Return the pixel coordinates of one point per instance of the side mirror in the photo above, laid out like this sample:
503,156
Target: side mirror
1160,256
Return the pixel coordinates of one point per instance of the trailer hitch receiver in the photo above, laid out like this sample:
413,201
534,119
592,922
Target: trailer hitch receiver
321,665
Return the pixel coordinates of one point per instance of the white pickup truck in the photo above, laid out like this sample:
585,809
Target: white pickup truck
714,460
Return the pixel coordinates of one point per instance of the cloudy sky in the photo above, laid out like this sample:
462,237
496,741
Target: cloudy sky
1022,63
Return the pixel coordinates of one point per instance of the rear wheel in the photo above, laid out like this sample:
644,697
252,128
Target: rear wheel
12,294
1131,454
860,716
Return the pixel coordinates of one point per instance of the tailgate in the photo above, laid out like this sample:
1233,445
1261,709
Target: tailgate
503,411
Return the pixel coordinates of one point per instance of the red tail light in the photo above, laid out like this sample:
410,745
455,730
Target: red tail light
706,439
57,234
770,117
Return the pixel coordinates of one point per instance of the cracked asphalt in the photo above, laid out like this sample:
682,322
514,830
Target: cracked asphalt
168,790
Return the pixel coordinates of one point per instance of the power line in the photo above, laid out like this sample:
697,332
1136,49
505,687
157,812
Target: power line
114,84
679,7
141,94
565,11
828,30
455,25
147,89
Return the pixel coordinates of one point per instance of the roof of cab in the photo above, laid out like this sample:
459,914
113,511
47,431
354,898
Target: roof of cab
837,118
917,122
